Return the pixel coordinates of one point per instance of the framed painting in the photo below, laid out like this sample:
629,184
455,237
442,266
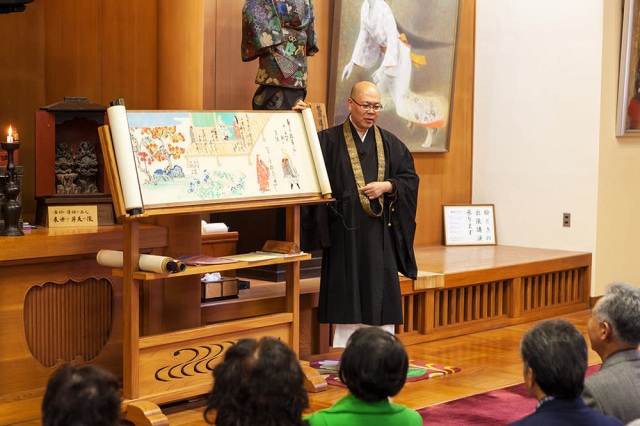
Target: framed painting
408,49
628,111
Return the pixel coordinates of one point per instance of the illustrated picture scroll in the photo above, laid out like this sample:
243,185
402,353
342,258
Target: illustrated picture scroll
469,225
201,157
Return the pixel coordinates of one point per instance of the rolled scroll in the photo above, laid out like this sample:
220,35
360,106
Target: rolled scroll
146,262
214,228
316,152
125,160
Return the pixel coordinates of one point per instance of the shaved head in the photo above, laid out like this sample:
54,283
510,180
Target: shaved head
363,94
363,87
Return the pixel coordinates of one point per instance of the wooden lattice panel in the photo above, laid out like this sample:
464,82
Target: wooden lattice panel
69,320
461,305
552,289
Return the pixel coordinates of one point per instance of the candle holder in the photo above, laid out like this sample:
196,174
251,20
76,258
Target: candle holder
10,208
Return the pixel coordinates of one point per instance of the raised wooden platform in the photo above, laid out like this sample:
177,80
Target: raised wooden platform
487,287
484,287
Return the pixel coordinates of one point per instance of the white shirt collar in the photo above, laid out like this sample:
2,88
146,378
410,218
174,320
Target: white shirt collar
365,133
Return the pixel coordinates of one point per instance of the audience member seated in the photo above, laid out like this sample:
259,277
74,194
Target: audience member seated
614,331
374,367
81,396
259,382
554,354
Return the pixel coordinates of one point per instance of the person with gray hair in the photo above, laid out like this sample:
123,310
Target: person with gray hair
554,354
614,332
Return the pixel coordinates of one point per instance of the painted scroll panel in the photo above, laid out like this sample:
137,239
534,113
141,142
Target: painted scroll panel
187,158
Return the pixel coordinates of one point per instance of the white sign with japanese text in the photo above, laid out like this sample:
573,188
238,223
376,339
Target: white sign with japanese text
469,225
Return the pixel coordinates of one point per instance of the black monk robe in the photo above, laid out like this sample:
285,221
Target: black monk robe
361,254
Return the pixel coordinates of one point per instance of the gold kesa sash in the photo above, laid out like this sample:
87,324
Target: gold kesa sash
357,168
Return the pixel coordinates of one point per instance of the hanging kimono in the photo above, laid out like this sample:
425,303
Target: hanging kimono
281,34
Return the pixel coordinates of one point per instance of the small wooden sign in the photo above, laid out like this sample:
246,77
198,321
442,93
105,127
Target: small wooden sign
469,225
319,116
74,216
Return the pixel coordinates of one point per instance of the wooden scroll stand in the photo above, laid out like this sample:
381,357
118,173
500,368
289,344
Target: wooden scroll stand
160,368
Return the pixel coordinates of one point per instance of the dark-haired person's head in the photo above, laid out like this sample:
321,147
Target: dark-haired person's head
555,352
374,364
81,396
259,382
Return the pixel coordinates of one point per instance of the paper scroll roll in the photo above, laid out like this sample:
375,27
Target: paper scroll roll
125,160
316,152
214,228
146,262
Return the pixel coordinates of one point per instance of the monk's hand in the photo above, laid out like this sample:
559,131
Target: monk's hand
373,190
300,106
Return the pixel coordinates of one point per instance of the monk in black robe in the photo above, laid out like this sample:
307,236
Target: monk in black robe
367,233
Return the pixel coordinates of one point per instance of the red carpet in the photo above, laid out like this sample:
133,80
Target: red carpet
498,407
418,370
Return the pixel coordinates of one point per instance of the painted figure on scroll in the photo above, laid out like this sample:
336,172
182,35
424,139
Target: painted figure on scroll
280,34
263,173
367,233
379,42
289,170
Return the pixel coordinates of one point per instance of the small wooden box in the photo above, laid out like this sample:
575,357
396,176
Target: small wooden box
224,288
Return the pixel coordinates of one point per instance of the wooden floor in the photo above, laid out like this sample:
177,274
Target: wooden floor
489,360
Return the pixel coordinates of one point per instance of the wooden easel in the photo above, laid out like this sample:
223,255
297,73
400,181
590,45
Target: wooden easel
177,365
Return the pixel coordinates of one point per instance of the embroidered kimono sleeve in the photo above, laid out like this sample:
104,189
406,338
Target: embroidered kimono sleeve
261,29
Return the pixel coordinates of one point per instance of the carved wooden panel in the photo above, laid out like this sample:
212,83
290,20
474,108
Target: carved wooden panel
67,321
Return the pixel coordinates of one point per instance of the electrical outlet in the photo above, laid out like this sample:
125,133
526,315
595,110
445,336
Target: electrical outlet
566,220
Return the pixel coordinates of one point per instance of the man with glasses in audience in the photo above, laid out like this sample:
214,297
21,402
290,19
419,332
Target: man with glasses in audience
367,233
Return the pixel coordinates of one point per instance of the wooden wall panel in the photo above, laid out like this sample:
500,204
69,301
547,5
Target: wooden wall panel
101,49
72,50
128,52
318,87
180,54
22,85
210,12
234,79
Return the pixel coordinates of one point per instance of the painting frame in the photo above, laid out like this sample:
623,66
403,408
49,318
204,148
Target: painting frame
628,109
418,105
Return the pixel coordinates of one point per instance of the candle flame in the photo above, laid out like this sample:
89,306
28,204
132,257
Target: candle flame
10,131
